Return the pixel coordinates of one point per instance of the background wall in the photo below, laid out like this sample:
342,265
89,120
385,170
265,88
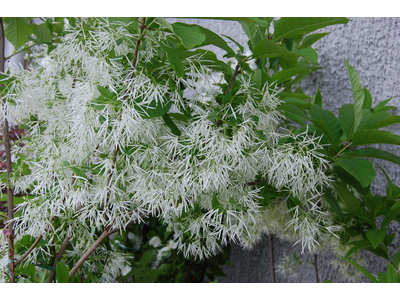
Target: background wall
371,46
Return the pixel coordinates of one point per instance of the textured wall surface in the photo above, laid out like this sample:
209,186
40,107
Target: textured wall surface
371,46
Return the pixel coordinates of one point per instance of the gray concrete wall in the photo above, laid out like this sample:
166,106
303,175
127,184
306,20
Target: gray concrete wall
371,46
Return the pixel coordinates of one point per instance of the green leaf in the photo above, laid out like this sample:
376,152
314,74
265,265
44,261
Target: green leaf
318,98
364,271
289,27
367,99
375,118
267,193
323,127
346,119
389,239
382,277
294,113
215,203
311,39
41,32
62,273
168,121
333,204
375,153
286,74
17,31
146,257
164,268
392,192
385,122
351,201
376,236
362,244
333,129
360,169
210,60
29,270
174,61
241,48
283,95
179,117
153,110
106,93
165,23
391,215
381,106
75,279
308,53
79,172
391,274
16,200
298,102
253,32
374,136
358,94
194,36
267,49
257,79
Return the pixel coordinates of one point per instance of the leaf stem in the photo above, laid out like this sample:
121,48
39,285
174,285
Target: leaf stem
20,50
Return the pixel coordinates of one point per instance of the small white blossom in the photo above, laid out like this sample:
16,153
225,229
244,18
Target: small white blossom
155,242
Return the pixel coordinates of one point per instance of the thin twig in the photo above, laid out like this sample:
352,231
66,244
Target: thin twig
21,259
316,267
142,26
20,50
6,142
237,69
60,254
107,232
80,262
271,248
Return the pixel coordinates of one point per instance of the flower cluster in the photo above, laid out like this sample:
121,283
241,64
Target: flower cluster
102,152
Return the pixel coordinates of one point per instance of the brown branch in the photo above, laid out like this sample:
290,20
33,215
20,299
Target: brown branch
316,267
80,262
271,248
60,254
7,148
107,232
21,259
142,27
237,69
